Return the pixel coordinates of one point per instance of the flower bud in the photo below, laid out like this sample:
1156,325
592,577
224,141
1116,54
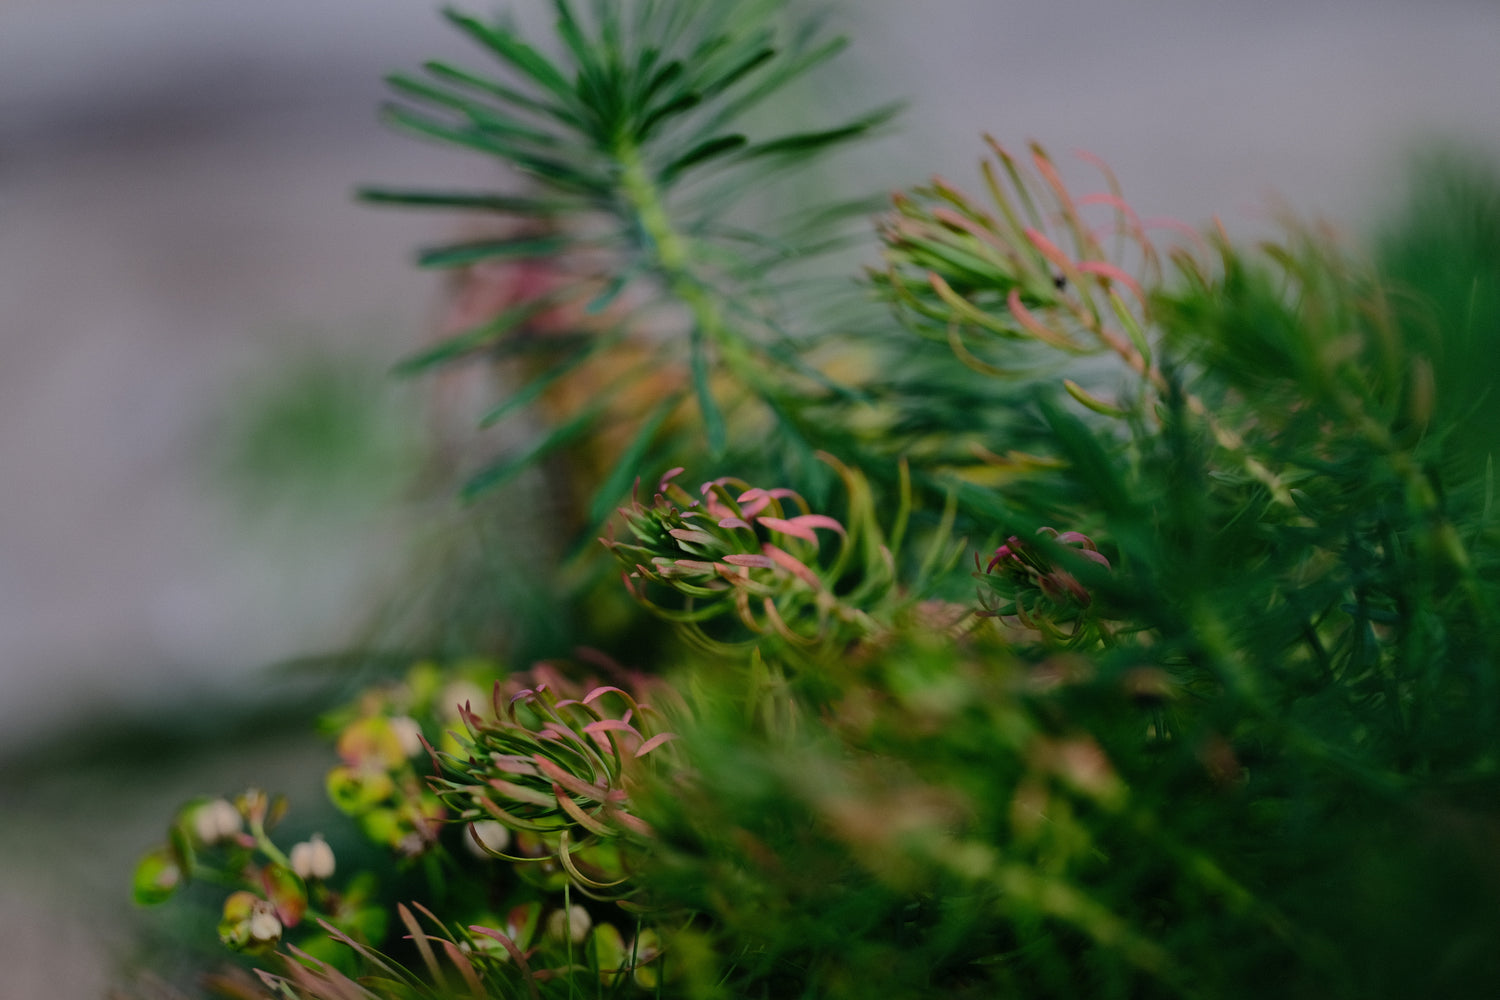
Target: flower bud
263,924
458,694
215,821
645,950
254,805
312,858
249,922
574,922
488,838
408,734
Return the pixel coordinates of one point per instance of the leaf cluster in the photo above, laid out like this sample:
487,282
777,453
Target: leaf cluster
1216,718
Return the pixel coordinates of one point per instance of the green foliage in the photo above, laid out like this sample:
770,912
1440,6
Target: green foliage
620,134
1206,708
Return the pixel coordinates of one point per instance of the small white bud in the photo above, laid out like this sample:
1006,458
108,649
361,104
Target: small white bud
214,821
408,734
458,694
168,878
491,836
312,858
573,922
263,923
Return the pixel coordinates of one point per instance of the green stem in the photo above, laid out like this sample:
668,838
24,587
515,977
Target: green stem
673,253
258,831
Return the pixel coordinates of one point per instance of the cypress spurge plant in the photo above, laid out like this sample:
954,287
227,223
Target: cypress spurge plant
1116,617
639,145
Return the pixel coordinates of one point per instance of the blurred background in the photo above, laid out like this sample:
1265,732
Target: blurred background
205,467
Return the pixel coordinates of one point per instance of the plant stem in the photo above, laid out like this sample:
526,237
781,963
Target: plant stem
673,255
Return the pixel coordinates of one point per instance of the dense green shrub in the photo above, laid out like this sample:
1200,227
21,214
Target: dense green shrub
1114,614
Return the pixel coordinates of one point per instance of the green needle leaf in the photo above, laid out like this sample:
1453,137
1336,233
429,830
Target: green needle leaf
463,254
474,339
628,467
679,105
509,95
708,407
813,142
699,154
499,473
480,201
778,77
533,390
517,53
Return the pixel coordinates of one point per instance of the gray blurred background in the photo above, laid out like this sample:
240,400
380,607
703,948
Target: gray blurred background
179,256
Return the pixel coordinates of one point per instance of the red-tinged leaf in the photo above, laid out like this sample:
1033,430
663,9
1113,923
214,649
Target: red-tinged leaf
793,565
750,560
565,858
965,309
1113,273
752,502
692,535
507,818
1048,249
515,954
316,977
514,764
562,778
634,824
802,525
554,730
1113,201
756,492
285,891
1176,226
773,614
1091,401
610,725
654,742
786,527
580,817
682,567
1037,328
598,731
520,793
419,938
1049,173
369,955
820,521
604,689
734,522
465,969
630,587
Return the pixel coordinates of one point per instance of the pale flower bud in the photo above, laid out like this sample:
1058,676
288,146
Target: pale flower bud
168,878
312,858
408,734
488,837
214,821
458,694
263,923
574,922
